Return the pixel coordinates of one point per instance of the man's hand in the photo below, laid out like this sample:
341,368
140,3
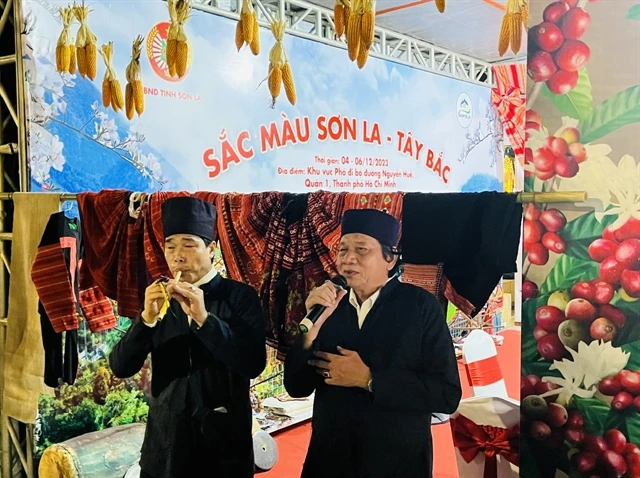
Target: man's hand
344,370
153,299
328,296
191,299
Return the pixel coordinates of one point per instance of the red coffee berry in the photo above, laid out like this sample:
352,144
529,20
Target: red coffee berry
578,152
600,249
583,290
616,441
562,82
595,445
603,293
629,230
540,431
566,166
575,23
547,36
630,281
575,436
610,386
612,313
576,420
622,401
538,254
553,220
541,66
531,213
603,329
627,253
586,461
580,309
529,290
557,415
550,347
554,12
539,332
611,270
572,55
544,159
630,382
615,462
549,318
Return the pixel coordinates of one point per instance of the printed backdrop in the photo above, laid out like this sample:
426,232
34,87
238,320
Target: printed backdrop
581,316
386,127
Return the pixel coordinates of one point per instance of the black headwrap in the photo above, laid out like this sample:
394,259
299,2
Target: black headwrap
374,223
187,215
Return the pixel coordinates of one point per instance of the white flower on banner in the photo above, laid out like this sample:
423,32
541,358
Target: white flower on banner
616,186
591,363
46,153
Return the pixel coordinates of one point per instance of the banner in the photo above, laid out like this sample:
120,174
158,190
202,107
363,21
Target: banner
385,127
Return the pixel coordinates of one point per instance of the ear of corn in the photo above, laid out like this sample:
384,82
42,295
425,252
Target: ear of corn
338,18
275,83
106,93
239,36
172,52
505,35
72,59
368,24
353,35
441,5
128,101
86,44
363,56
289,84
516,32
134,91
511,28
524,14
183,10
82,62
247,26
111,89
255,41
277,61
63,46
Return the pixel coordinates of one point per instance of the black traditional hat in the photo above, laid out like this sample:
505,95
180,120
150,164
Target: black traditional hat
374,223
187,215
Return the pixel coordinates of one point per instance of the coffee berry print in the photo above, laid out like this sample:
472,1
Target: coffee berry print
580,384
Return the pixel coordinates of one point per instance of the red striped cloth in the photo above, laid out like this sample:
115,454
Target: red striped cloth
509,97
113,253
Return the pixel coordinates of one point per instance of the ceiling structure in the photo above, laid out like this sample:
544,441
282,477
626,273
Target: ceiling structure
469,27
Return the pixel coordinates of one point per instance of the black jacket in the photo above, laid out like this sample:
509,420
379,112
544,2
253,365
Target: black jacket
385,434
195,372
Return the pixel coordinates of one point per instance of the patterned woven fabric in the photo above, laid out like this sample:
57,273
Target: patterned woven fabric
509,97
432,279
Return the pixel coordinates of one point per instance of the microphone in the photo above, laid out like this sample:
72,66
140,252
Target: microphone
339,283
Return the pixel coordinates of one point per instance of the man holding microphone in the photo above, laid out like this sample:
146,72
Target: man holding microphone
380,359
206,337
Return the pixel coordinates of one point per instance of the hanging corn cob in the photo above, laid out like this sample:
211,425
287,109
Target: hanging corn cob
86,44
111,90
341,13
134,93
368,25
353,29
279,68
441,5
248,29
509,174
511,29
172,41
524,13
65,49
177,43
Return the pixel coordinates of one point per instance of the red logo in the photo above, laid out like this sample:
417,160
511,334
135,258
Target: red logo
157,52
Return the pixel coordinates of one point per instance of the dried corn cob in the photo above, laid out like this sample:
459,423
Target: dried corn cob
368,24
363,56
248,28
129,107
255,41
183,9
171,48
441,5
239,36
65,41
354,29
524,13
279,68
86,44
72,59
289,84
511,29
246,15
134,94
110,82
340,10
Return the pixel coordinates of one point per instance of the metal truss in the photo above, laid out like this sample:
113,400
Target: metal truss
16,439
316,23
